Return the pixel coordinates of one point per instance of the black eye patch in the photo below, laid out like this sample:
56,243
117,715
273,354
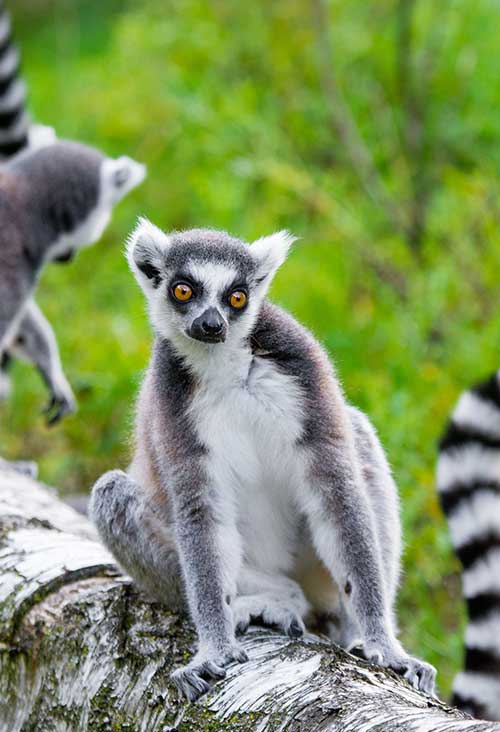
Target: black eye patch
120,177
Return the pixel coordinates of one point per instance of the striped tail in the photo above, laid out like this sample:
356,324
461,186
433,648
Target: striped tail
14,120
468,479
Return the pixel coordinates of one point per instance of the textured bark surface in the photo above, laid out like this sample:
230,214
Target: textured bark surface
80,650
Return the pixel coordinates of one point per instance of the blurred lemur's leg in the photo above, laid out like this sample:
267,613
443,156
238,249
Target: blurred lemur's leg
140,541
35,341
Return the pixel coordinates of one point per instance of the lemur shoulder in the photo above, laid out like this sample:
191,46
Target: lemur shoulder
255,490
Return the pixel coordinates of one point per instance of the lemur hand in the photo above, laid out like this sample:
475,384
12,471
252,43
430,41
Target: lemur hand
207,665
392,655
61,403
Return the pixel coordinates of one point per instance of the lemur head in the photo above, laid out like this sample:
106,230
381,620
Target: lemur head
72,189
204,285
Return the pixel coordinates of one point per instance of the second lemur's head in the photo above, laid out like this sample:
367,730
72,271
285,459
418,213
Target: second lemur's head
71,190
202,285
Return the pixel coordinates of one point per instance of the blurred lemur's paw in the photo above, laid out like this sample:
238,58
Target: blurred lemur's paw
25,467
277,612
58,407
419,673
193,679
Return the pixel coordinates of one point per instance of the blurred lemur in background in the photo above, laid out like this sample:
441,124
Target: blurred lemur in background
468,479
55,197
256,490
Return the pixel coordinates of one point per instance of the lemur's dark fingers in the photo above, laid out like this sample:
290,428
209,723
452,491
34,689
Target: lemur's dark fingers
25,467
422,676
190,684
210,670
52,420
296,628
49,406
242,626
58,409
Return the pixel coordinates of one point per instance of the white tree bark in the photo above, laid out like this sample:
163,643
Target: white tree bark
81,651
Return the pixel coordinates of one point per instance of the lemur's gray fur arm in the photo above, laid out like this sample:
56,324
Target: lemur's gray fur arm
199,526
35,342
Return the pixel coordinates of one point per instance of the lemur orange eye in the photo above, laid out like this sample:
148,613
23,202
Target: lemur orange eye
183,292
237,299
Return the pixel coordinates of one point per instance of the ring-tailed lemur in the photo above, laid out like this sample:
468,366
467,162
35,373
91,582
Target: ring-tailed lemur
255,489
70,191
53,201
468,479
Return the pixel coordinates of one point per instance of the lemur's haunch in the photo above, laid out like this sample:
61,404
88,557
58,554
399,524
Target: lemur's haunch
53,201
468,480
255,490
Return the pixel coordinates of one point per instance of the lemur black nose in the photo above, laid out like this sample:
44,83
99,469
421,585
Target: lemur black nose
212,325
209,326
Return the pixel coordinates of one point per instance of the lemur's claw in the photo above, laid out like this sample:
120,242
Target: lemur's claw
269,611
190,684
421,675
25,467
296,629
192,680
57,408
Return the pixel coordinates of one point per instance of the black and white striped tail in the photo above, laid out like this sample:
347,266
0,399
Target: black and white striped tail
468,478
14,120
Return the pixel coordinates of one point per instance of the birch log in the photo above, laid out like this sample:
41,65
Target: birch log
80,650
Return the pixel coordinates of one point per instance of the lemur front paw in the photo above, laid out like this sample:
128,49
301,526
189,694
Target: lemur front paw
419,673
269,610
59,405
193,679
25,467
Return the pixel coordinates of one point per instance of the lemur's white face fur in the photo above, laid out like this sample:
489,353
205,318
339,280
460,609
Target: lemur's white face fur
202,285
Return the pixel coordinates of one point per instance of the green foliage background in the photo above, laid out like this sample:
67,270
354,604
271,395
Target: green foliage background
225,102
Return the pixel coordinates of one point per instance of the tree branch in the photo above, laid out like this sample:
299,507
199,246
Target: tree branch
81,650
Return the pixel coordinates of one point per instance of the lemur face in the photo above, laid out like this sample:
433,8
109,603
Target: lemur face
120,176
80,189
204,285
116,179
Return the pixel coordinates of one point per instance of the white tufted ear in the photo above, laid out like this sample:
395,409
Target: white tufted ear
146,249
270,253
120,176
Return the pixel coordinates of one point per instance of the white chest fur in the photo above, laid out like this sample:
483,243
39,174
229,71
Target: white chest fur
249,414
